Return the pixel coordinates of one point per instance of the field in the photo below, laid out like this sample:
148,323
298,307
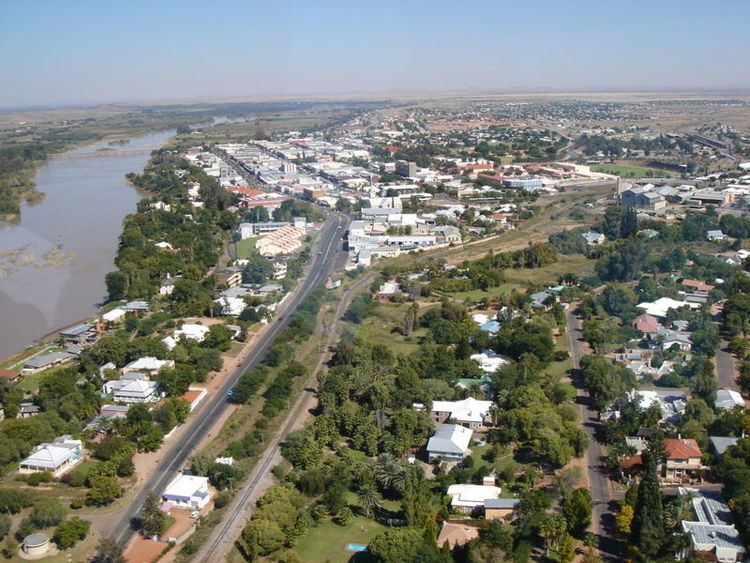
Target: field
327,542
245,248
378,329
630,171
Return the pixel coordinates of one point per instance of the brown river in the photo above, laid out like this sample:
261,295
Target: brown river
53,263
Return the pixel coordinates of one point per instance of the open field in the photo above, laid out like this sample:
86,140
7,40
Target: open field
630,171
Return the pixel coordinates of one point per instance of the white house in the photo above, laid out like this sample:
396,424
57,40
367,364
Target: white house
660,307
133,391
468,498
188,491
191,332
147,365
450,442
57,457
489,361
113,316
470,412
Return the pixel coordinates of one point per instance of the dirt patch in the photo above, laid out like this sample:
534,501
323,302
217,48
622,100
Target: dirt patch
141,550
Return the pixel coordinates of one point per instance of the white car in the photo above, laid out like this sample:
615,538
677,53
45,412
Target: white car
194,514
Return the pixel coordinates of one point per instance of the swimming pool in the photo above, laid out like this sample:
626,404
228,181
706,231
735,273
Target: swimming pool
356,547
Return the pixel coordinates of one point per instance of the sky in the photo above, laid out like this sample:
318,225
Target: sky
84,52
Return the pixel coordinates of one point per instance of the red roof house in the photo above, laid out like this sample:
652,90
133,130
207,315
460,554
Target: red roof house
647,324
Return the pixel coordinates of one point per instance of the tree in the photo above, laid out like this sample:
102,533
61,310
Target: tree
368,499
47,512
410,319
396,545
153,520
259,269
117,285
618,299
416,502
218,337
624,519
70,532
704,384
647,528
552,528
389,473
577,508
104,490
108,551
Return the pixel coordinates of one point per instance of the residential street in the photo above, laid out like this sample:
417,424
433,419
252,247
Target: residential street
725,368
601,488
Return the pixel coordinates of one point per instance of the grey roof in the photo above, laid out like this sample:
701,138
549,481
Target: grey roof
46,359
135,306
721,444
726,537
442,440
507,503
77,329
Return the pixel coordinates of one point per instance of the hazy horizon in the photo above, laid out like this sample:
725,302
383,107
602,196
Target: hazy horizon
87,53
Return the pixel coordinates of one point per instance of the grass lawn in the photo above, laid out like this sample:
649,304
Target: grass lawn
327,541
378,328
30,383
630,171
245,248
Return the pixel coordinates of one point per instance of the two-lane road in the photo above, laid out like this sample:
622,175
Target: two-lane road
326,256
600,487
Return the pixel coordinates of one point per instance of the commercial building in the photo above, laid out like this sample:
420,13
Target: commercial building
188,491
405,168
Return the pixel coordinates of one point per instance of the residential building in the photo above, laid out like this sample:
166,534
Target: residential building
471,498
228,277
57,457
405,168
727,399
133,391
500,508
188,491
713,535
83,333
489,361
450,442
660,307
9,375
148,366
456,534
683,461
647,324
470,412
46,361
593,238
720,444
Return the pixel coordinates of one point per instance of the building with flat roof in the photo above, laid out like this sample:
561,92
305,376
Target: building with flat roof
188,491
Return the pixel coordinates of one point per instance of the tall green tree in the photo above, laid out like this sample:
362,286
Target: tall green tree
647,528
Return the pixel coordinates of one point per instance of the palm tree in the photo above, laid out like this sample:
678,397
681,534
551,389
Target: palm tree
368,499
552,528
389,472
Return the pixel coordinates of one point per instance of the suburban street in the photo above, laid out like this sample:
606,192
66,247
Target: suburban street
600,486
725,367
326,256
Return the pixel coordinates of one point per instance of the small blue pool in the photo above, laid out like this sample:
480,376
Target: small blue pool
356,547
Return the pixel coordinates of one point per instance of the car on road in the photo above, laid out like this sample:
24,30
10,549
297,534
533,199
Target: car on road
320,252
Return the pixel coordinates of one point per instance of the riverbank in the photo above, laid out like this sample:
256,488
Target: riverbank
80,218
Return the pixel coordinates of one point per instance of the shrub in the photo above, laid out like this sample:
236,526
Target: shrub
35,479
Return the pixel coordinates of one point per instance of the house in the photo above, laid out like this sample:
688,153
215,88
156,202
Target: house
540,299
720,444
450,442
727,399
114,316
492,327
499,508
456,534
470,412
148,366
660,307
188,491
671,402
696,285
190,331
388,290
593,238
57,457
713,535
27,410
231,306
79,334
646,324
489,361
229,277
166,287
45,361
668,339
9,375
447,233
715,236
471,498
133,391
683,461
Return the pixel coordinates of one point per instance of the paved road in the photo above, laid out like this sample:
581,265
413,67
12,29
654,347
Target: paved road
725,367
327,254
221,541
601,490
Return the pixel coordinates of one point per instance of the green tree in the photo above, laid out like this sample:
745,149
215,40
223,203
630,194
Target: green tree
396,545
47,512
153,520
108,551
704,384
368,499
70,532
104,490
416,502
577,507
647,528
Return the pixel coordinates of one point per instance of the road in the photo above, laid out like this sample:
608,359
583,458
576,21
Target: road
725,368
221,541
602,519
327,255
